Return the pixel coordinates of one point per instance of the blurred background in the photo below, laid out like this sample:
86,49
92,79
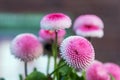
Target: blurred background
21,16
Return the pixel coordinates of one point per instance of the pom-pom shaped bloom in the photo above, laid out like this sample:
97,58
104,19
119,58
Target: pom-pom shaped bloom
113,70
26,47
77,52
49,35
55,21
89,26
96,71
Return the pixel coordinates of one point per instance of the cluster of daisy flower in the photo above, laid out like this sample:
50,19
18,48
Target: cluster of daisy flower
99,71
76,50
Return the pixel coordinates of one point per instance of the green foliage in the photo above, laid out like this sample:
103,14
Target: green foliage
11,20
36,75
13,24
68,73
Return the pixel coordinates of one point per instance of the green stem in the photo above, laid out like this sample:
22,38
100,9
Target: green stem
54,50
57,69
25,64
83,74
48,64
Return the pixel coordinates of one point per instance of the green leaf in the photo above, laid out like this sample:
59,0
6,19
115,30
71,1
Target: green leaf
69,73
82,78
35,75
65,70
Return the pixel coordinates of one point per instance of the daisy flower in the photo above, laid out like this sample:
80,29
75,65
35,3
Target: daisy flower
49,35
113,69
96,71
89,26
55,21
77,51
26,47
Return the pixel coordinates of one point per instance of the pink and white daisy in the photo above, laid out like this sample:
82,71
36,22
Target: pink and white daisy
89,26
49,35
77,51
113,70
55,21
96,71
26,47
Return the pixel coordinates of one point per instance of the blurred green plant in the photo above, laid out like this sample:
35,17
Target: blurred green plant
13,23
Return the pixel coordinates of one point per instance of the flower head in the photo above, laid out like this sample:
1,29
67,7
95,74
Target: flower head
89,26
55,21
113,69
96,71
77,52
26,47
49,35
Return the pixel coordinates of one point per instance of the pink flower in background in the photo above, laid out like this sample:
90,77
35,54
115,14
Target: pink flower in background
26,47
55,21
77,52
89,26
49,35
113,69
96,71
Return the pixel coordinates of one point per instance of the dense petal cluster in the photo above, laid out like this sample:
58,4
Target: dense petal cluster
99,71
55,21
96,71
49,35
89,26
26,47
113,69
77,52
